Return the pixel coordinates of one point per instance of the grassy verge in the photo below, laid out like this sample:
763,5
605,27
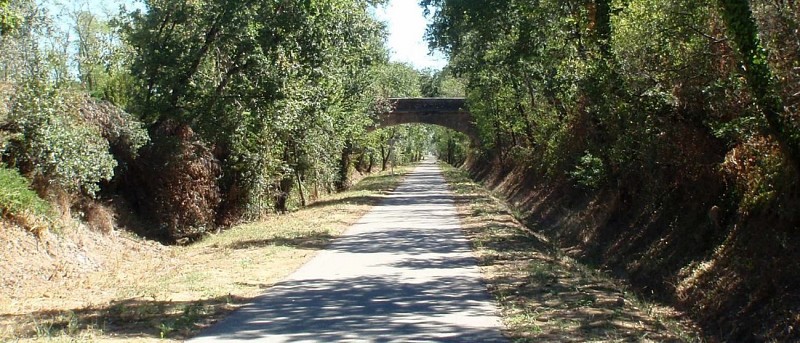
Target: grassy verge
173,292
545,295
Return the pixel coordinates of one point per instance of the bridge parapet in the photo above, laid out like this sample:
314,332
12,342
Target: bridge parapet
447,112
438,105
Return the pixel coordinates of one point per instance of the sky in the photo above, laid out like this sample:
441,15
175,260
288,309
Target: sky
100,7
404,19
406,24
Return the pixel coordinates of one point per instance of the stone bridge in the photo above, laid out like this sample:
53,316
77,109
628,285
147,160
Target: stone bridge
447,112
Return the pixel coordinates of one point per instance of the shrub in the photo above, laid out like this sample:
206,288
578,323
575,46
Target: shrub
54,143
16,197
125,134
174,182
756,170
589,172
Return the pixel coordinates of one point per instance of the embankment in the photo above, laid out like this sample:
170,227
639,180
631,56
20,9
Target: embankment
678,240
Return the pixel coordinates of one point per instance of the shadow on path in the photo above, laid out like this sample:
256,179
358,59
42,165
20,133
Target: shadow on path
377,309
403,273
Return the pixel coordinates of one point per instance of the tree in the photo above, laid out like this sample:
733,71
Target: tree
9,19
45,135
740,22
278,87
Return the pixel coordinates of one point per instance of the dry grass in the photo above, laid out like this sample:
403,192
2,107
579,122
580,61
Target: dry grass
546,296
149,292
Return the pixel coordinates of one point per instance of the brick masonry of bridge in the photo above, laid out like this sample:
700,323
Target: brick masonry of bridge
447,112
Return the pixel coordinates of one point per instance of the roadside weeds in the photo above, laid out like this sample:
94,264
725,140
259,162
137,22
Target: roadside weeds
546,296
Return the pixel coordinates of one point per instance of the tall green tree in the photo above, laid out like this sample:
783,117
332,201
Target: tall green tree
279,87
573,81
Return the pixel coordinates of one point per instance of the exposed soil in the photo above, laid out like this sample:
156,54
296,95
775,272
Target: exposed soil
679,238
547,296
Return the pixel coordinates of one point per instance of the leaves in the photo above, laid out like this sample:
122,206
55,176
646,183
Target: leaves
9,19
281,87
16,197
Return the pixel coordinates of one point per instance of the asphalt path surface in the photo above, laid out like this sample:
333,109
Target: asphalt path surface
403,273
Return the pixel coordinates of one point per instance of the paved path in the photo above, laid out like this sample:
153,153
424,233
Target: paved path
403,273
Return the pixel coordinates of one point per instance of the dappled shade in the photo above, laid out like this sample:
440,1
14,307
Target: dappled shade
404,272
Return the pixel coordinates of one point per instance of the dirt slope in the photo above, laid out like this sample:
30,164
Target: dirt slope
678,240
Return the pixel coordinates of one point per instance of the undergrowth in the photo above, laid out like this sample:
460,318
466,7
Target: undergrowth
16,197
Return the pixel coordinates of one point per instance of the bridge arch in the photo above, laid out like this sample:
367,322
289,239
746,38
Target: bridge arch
451,113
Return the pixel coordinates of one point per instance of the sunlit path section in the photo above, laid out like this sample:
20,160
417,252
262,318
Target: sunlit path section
403,273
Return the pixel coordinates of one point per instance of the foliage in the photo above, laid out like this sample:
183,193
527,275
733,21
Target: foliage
55,144
16,197
441,84
259,101
692,100
22,55
755,168
9,20
450,146
552,81
177,178
589,172
51,131
400,145
101,59
282,91
124,133
755,60
779,22
399,80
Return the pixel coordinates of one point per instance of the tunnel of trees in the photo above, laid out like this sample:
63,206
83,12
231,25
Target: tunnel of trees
666,132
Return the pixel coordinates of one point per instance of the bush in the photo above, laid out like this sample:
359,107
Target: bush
16,197
589,172
71,156
174,183
54,143
124,133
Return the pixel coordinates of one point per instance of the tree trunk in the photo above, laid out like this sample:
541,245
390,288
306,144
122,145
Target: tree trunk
739,19
604,130
384,157
300,188
284,190
450,151
284,186
344,167
360,163
602,25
